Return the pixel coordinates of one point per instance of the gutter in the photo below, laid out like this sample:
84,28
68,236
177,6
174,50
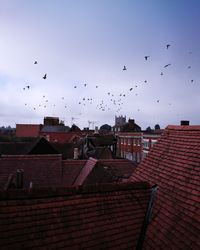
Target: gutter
147,218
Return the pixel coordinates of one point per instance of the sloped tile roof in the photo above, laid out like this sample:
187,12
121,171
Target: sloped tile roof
71,170
174,164
28,130
93,217
122,168
41,170
110,171
54,128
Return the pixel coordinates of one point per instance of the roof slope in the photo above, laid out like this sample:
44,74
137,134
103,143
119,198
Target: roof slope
174,165
41,170
106,171
34,146
92,217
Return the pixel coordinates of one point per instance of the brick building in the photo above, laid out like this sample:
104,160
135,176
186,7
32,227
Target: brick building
129,146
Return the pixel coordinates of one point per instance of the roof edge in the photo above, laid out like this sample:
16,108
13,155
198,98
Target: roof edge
183,127
22,194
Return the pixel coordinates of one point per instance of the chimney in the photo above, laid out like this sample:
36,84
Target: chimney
185,123
20,178
75,153
96,130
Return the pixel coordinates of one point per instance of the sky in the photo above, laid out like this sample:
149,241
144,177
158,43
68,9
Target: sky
83,45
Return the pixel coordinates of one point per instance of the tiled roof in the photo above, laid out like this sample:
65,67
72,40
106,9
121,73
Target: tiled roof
28,130
71,170
61,137
54,128
174,165
100,153
92,217
41,170
121,168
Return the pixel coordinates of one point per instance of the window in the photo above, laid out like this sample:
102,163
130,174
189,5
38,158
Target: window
146,143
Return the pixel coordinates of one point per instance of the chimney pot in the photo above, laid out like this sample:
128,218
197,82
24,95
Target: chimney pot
75,153
185,123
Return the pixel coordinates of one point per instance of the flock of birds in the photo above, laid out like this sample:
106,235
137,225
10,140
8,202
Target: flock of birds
112,102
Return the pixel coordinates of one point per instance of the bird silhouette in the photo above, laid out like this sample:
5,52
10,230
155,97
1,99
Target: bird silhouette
167,65
35,62
192,80
75,87
124,68
146,57
158,100
28,87
131,89
85,84
189,67
168,45
45,76
96,87
161,73
145,81
24,88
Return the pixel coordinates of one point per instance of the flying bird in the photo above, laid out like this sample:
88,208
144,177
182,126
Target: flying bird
168,45
96,87
45,76
85,84
167,65
192,80
124,68
131,89
158,100
75,87
189,67
146,57
145,81
35,62
161,73
28,87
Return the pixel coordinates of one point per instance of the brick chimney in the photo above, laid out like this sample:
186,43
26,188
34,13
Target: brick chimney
185,123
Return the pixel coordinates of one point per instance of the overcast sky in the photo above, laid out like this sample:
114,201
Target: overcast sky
78,42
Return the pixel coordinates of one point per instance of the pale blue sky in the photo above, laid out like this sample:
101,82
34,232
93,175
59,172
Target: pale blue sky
81,42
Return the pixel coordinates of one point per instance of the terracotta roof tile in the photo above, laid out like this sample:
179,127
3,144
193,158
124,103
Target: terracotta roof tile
93,217
174,164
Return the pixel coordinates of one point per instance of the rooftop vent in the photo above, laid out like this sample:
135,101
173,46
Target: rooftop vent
185,123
